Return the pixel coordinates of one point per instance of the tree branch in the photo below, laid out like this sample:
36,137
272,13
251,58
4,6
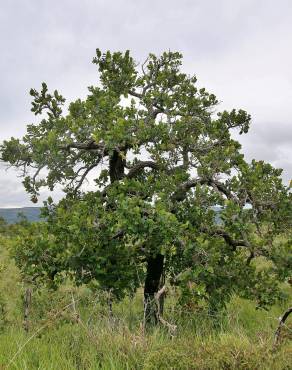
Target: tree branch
182,190
172,328
89,145
234,243
281,324
223,189
141,165
85,173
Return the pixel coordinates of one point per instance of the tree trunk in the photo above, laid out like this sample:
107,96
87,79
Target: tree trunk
116,167
152,283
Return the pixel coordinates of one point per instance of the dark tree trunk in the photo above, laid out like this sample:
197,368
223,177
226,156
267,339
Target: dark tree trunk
153,279
116,166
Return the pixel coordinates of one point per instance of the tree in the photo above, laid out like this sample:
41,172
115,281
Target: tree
163,161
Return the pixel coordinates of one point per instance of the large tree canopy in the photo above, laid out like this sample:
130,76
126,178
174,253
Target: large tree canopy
163,161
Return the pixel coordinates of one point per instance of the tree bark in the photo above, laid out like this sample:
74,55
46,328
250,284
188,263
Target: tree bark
116,167
152,283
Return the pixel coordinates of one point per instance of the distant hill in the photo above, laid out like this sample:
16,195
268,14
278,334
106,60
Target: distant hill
11,214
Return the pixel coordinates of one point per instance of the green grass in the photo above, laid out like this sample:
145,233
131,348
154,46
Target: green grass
243,340
240,338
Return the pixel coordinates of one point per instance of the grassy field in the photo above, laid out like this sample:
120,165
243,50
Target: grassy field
72,329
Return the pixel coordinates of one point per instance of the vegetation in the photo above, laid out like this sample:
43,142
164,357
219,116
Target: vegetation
164,163
83,335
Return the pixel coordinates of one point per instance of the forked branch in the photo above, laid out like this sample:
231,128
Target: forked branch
172,328
281,324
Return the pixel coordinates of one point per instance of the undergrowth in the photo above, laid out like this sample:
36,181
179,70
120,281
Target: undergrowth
71,328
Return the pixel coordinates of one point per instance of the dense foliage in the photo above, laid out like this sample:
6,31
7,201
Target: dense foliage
163,163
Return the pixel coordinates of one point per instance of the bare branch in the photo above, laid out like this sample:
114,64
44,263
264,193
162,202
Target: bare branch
281,324
37,173
85,173
172,328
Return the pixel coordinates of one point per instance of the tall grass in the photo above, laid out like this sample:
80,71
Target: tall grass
59,339
83,335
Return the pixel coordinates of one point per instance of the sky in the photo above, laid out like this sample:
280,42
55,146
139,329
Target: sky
240,50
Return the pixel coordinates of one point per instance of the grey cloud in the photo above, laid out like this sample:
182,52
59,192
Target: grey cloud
275,133
271,143
12,193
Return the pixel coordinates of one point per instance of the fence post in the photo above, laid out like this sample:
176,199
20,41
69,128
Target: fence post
27,305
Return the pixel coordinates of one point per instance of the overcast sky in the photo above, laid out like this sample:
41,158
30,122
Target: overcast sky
239,49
